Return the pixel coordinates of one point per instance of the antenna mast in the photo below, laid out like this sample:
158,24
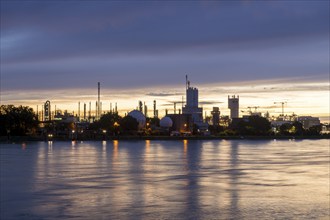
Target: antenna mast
98,101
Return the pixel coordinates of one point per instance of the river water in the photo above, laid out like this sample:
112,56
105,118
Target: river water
216,179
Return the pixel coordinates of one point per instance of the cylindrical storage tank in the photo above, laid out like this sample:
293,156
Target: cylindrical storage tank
166,122
140,118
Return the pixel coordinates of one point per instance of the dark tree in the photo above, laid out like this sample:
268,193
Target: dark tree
128,125
110,122
153,121
314,130
216,129
254,125
243,128
259,125
19,120
297,128
285,129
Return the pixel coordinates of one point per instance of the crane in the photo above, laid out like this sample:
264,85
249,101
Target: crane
282,103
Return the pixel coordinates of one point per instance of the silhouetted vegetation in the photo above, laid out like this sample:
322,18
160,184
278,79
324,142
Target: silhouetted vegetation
128,125
153,121
314,130
254,125
18,121
109,122
216,129
21,121
296,128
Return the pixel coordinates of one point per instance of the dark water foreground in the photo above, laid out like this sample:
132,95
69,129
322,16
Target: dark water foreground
215,179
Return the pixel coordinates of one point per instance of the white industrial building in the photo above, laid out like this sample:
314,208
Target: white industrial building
233,105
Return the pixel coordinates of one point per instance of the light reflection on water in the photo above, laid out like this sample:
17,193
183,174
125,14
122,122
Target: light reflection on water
165,180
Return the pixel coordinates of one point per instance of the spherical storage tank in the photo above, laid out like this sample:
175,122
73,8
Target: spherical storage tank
141,119
166,122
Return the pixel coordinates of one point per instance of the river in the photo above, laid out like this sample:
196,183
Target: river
218,179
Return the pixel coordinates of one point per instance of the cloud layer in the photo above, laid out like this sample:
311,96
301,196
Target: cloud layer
59,50
74,44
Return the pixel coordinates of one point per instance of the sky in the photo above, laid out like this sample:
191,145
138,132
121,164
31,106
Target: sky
264,51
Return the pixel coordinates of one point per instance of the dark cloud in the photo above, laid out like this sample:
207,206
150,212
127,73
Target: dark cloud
162,94
201,103
65,44
57,29
209,102
167,104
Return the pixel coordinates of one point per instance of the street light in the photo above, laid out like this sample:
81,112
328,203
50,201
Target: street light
116,125
73,134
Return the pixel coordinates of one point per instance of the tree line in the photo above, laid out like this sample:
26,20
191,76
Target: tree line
22,120
18,121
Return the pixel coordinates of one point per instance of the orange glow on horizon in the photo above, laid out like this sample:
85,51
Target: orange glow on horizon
303,98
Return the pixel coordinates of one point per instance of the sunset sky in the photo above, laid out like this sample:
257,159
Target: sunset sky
263,51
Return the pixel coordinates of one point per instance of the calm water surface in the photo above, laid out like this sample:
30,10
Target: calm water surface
165,180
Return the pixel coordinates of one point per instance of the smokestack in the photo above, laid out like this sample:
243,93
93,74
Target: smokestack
90,111
174,107
116,110
84,111
42,113
78,111
100,110
145,110
154,108
96,110
140,106
98,99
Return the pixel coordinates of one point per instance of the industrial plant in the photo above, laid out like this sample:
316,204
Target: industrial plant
185,121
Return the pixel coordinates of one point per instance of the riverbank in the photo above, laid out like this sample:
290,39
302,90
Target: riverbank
5,139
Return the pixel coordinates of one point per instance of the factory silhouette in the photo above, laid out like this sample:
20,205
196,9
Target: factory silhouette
185,121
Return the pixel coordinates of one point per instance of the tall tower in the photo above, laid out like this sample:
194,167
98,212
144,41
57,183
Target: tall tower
233,105
90,111
191,106
215,116
192,97
84,111
98,101
145,110
79,111
155,110
47,112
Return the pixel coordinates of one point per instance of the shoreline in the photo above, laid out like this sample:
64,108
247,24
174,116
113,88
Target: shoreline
12,139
